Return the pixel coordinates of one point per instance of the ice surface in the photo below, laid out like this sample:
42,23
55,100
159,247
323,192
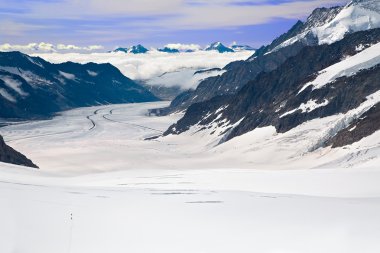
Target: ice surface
103,188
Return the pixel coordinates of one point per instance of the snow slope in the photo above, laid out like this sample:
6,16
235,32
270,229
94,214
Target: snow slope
41,217
103,188
365,59
84,140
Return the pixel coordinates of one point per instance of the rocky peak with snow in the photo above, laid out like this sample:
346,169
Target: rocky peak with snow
323,26
320,17
320,81
168,50
218,46
138,49
328,25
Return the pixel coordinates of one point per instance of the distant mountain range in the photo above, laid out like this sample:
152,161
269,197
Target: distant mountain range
33,88
216,46
329,65
139,49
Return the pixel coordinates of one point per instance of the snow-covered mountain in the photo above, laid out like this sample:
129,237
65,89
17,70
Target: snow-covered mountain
336,79
326,26
138,49
323,26
218,46
168,50
32,87
162,73
177,48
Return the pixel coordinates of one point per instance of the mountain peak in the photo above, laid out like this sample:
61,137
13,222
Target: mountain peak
138,49
321,16
168,50
329,25
218,46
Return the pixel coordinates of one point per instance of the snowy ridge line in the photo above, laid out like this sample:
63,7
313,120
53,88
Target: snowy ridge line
307,107
366,59
354,17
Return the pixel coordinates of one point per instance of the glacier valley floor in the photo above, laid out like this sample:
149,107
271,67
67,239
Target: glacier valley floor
102,187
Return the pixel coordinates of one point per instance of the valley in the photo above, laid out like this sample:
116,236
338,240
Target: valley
137,144
101,181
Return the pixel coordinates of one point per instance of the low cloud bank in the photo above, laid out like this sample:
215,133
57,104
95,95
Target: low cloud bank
48,47
184,47
156,68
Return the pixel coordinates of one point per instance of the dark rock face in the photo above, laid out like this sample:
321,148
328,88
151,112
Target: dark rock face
265,100
365,126
241,72
9,155
33,88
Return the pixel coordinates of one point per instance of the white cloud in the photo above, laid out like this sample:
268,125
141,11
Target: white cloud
67,47
47,47
184,47
155,67
93,48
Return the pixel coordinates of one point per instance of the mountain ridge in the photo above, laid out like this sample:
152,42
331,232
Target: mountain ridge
33,88
268,58
284,98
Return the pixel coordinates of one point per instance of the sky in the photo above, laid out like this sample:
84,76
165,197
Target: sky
93,25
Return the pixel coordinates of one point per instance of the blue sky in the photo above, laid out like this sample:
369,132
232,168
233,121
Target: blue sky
150,22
